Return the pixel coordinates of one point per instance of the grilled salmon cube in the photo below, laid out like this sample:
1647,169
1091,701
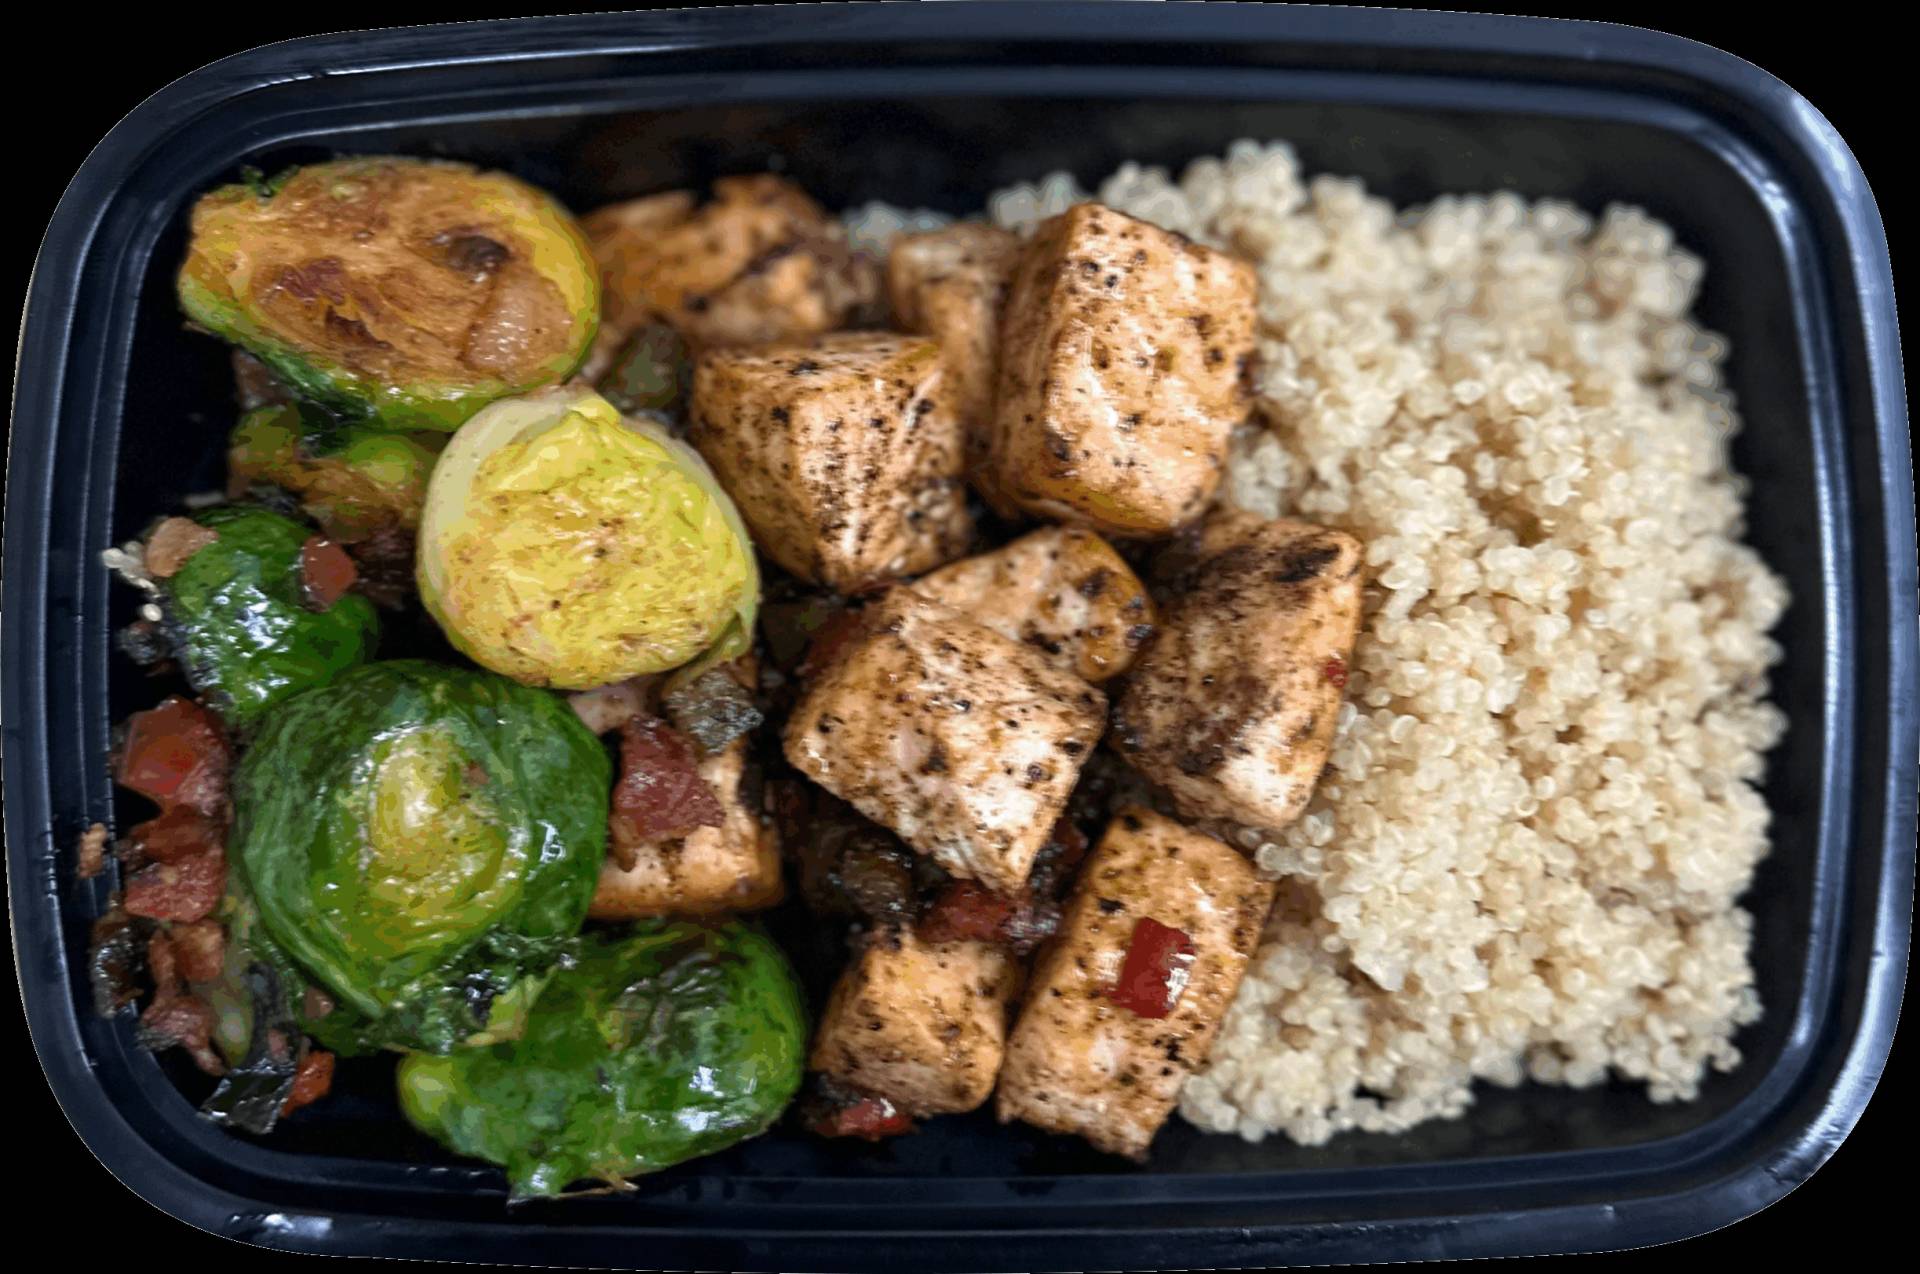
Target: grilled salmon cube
950,284
962,742
921,1024
1232,708
1123,355
1062,590
842,455
1118,1013
760,262
709,870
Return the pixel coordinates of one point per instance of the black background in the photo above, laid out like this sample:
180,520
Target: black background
64,92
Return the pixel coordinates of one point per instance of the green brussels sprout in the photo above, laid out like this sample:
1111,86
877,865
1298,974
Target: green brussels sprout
422,840
661,1043
243,619
564,545
354,481
406,293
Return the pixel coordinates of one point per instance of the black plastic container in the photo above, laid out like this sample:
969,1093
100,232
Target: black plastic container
119,412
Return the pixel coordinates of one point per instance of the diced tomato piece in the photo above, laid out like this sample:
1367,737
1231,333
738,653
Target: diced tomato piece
967,911
311,1080
870,1119
1158,964
1335,670
660,791
326,572
178,833
200,950
175,754
185,891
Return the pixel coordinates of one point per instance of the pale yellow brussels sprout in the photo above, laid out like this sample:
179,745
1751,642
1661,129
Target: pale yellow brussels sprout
565,545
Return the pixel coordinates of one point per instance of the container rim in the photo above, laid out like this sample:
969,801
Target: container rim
1686,69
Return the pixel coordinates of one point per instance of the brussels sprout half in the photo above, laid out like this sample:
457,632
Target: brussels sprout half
403,292
239,617
422,840
661,1043
354,481
564,545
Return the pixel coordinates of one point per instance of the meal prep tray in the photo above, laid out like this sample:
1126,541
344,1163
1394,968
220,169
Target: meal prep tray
119,412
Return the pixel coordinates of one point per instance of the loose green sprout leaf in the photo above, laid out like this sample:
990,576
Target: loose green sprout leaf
402,292
661,1043
245,633
652,373
354,481
422,840
564,545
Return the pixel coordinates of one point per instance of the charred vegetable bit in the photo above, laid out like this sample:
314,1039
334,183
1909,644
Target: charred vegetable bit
712,709
114,961
660,792
423,841
145,642
652,373
1158,963
405,292
254,1089
789,625
660,1042
239,612
254,384
383,564
849,867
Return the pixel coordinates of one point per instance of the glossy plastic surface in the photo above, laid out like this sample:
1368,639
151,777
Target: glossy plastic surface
119,412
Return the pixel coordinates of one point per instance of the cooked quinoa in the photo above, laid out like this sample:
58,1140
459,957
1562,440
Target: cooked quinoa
1524,857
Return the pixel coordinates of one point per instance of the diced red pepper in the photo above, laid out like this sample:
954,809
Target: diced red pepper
311,1080
870,1119
1158,964
1335,670
326,572
660,791
175,754
184,891
967,911
176,834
